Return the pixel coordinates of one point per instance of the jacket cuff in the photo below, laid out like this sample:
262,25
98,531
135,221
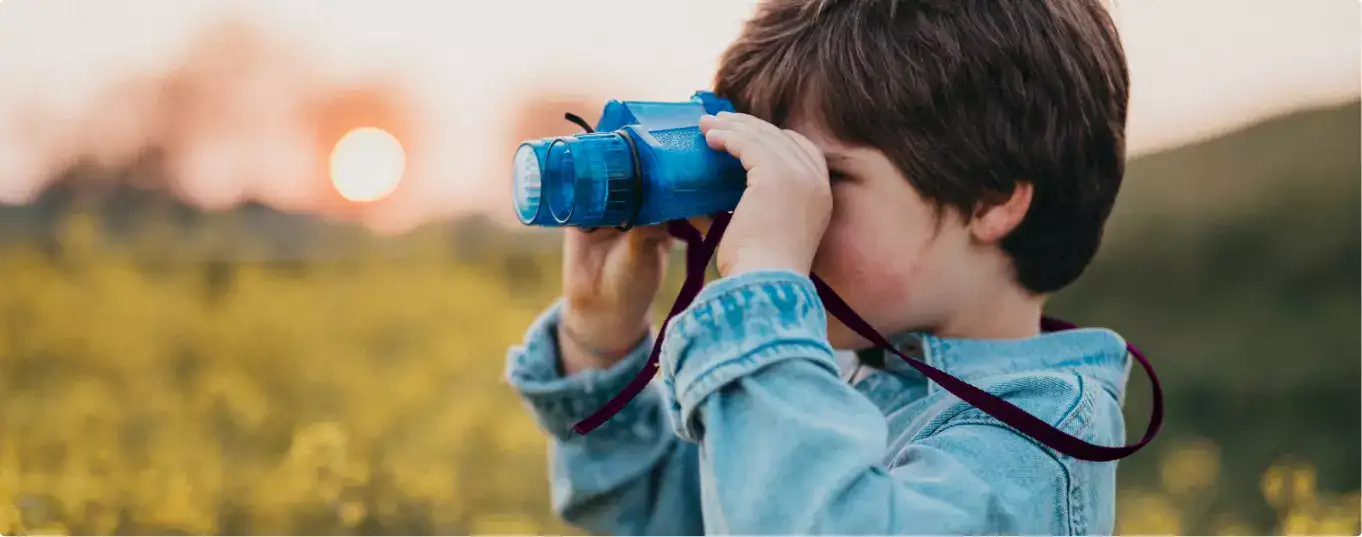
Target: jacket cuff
736,327
558,402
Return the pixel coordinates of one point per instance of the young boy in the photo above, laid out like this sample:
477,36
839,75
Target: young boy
943,165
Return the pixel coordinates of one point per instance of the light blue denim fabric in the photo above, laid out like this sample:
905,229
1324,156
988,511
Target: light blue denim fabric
752,428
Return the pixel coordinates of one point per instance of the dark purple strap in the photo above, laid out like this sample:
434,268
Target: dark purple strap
698,253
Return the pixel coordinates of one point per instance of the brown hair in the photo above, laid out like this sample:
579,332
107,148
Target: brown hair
965,97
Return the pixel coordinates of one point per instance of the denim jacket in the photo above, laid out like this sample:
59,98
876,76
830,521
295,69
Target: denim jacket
753,428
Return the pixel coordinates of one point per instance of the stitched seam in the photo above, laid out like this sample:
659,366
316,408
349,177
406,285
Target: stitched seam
1072,511
1078,503
1072,412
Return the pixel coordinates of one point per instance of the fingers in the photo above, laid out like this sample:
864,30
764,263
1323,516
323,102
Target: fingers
754,141
752,132
641,242
737,139
649,235
745,137
811,150
749,121
753,151
806,150
603,234
592,233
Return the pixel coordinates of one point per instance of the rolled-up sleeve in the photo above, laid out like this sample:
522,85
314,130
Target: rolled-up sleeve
558,402
631,475
735,327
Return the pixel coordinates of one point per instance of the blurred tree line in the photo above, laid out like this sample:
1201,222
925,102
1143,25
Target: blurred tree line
165,370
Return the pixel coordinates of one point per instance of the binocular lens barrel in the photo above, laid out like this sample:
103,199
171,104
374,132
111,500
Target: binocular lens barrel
588,180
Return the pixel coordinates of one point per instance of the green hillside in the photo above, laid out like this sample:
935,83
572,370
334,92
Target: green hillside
1234,264
1310,154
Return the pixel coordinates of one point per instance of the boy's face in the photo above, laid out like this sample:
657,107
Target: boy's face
885,252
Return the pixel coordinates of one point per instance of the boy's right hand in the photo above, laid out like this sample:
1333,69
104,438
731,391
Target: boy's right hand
609,281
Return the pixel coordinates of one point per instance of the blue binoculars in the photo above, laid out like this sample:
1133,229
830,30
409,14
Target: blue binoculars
644,163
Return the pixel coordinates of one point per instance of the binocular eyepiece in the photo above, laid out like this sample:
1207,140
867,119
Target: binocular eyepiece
645,163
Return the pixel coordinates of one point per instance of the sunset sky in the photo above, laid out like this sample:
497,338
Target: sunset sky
1199,67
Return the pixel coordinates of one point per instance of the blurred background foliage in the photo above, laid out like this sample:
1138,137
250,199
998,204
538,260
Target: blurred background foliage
169,370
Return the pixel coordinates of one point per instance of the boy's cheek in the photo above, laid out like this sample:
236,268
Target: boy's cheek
880,255
863,273
878,296
886,277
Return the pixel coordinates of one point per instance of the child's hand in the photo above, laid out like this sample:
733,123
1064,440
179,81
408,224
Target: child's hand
609,281
788,202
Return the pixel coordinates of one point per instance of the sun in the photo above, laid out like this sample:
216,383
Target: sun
367,164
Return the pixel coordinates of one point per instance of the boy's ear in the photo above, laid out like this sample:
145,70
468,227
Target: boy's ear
994,221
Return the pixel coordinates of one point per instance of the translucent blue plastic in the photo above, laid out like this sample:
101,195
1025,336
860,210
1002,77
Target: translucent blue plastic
647,163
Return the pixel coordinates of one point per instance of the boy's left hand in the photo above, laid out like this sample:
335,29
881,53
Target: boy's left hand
782,215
